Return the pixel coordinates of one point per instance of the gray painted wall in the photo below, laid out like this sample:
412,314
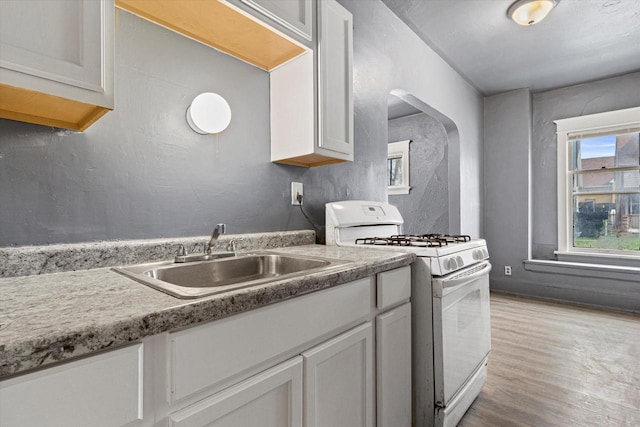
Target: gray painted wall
506,194
507,143
426,208
140,172
388,57
581,100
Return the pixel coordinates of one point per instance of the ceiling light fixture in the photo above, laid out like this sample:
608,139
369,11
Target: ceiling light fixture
529,12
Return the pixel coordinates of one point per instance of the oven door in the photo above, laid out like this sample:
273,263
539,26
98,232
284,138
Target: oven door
461,328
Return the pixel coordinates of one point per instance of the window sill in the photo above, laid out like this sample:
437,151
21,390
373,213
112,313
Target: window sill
595,271
398,190
598,258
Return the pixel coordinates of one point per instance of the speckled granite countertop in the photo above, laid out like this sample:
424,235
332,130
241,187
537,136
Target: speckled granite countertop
28,260
52,317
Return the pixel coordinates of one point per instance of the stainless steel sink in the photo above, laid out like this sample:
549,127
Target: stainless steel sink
202,278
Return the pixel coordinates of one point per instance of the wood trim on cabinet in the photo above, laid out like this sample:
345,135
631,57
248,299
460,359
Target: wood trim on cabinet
310,160
218,25
49,110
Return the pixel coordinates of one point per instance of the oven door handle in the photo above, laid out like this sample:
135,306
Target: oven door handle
460,279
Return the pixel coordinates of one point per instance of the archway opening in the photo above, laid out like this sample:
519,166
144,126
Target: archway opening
429,201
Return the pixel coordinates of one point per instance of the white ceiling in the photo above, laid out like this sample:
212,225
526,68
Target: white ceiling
580,41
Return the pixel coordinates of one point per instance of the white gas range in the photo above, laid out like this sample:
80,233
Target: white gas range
450,305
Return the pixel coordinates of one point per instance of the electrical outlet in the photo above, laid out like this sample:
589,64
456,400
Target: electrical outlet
507,270
296,188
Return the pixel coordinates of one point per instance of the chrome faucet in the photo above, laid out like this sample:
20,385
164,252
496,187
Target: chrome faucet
208,253
220,229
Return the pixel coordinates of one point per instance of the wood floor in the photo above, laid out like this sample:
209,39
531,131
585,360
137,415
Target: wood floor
559,365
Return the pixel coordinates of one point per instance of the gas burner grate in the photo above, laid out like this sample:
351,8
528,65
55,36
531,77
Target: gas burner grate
422,241
449,238
383,241
402,240
419,240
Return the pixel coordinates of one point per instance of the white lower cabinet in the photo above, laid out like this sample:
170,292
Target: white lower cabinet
336,357
103,390
338,380
393,367
213,356
333,382
355,344
270,399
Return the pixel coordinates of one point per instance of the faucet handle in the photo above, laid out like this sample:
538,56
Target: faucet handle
222,228
232,245
182,251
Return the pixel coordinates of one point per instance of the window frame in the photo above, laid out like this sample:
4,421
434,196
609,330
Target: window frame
567,129
399,150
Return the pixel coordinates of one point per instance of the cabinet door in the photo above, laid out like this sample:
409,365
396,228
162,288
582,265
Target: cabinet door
103,390
335,53
270,399
62,43
56,61
296,15
338,386
393,367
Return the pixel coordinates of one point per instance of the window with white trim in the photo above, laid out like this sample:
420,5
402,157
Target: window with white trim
398,167
599,184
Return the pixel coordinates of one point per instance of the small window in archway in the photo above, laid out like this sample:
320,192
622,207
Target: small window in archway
398,167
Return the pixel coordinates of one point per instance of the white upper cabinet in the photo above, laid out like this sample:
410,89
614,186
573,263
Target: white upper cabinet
295,18
312,96
56,61
227,25
335,53
305,45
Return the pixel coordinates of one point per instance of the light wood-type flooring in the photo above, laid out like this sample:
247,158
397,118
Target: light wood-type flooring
553,364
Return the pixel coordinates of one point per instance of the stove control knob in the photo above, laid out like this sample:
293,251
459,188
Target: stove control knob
450,264
477,254
460,261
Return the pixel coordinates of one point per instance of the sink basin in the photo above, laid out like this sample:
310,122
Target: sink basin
202,278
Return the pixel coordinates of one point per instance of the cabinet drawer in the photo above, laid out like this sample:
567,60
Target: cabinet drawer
103,390
207,355
393,287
